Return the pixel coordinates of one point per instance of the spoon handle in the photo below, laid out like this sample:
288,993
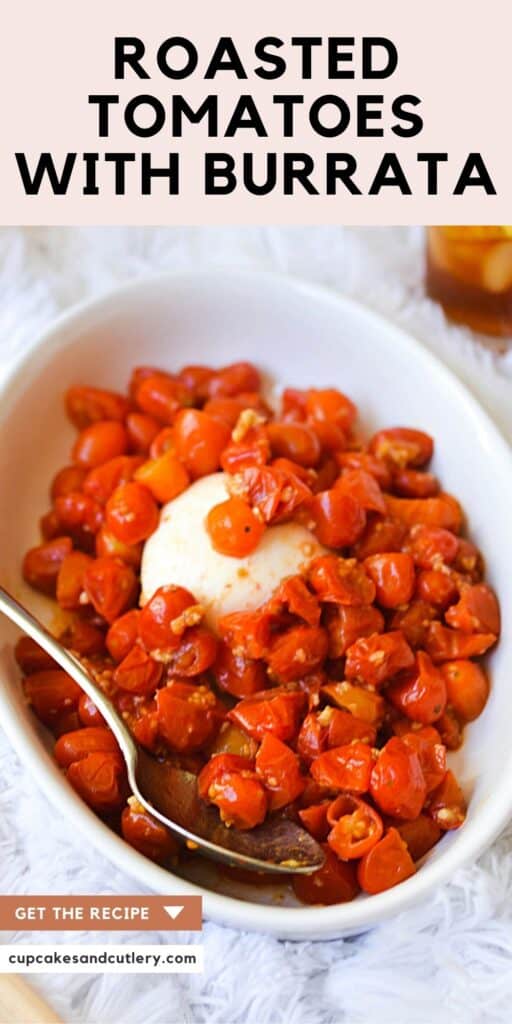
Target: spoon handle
20,1004
22,618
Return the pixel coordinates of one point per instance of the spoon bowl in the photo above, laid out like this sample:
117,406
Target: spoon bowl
279,846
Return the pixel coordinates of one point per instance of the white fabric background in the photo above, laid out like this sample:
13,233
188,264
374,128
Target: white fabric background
448,961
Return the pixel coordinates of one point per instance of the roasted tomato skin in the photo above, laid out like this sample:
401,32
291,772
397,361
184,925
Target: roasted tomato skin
467,688
355,827
279,770
339,518
334,882
376,658
147,835
277,711
297,652
420,693
187,716
385,865
397,783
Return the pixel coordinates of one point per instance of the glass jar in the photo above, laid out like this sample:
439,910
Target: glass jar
469,271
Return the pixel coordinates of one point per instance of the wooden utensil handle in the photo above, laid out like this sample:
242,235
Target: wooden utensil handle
20,1004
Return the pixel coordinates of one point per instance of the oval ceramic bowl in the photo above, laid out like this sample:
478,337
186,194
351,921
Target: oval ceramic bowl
300,336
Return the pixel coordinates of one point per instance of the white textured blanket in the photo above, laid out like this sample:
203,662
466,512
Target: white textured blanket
449,961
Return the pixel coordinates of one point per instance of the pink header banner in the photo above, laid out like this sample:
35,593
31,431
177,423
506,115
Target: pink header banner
335,112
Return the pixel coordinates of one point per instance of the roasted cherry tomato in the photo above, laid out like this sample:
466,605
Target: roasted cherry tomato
394,577
236,674
444,644
295,441
402,446
426,743
314,819
41,564
414,622
67,480
70,581
355,827
83,637
467,688
369,463
108,546
99,778
278,769
100,442
330,405
138,672
276,711
88,712
450,729
343,727
347,767
442,512
165,477
101,482
51,693
419,835
411,483
196,653
339,519
363,704
446,805
248,634
165,617
215,768
420,692
74,746
397,784
111,587
85,405
386,864
294,596
436,588
376,658
345,625
142,431
431,546
197,380
160,395
234,380
312,738
363,487
231,784
233,528
199,440
188,717
31,658
131,513
341,581
123,634
476,612
297,652
274,492
334,882
79,516
147,835
381,534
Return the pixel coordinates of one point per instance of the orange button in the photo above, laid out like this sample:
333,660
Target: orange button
100,913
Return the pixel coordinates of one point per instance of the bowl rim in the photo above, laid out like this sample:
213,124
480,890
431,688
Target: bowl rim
286,922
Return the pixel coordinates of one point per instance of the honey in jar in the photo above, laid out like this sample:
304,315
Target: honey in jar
469,271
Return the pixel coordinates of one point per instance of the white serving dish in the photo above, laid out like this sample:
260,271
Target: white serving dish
300,335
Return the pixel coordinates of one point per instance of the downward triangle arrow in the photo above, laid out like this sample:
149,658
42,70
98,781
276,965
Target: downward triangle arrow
173,912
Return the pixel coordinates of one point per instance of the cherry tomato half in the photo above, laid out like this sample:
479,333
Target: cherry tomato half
355,827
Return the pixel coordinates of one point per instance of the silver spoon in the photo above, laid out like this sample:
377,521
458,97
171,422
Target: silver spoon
279,846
